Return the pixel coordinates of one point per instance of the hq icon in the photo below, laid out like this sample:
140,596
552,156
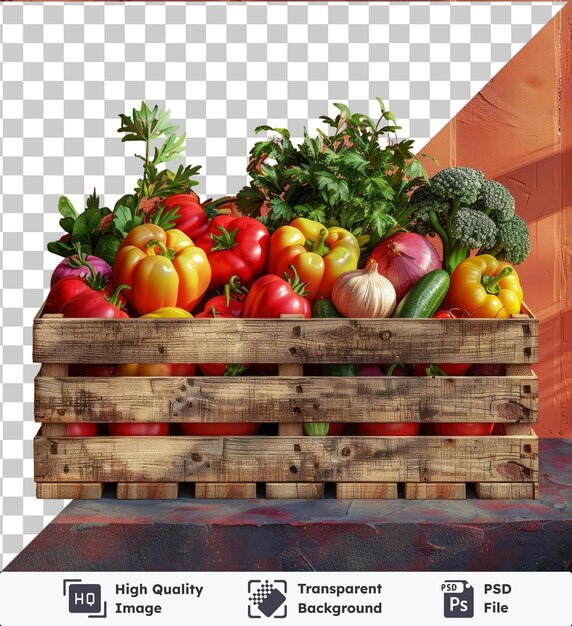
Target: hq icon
458,596
84,598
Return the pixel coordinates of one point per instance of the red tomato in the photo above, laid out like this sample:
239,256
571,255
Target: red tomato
81,430
143,429
463,429
272,296
336,428
192,220
220,429
370,369
219,303
389,429
235,246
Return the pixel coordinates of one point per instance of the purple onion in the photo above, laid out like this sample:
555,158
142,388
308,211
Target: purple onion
71,266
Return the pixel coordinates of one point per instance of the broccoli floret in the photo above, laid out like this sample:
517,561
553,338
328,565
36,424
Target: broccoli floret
496,201
458,184
513,241
423,202
468,213
473,229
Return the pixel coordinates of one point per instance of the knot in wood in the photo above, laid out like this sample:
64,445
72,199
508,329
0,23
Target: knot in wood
385,335
293,469
196,457
346,451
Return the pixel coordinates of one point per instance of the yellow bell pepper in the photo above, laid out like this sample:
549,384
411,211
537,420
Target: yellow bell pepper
485,287
317,254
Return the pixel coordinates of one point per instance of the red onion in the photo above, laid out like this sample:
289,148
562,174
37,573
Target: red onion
404,258
70,266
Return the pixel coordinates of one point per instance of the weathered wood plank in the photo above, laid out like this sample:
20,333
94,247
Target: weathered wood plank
147,491
519,369
293,427
286,459
285,340
366,491
294,491
510,491
69,491
225,490
435,491
288,398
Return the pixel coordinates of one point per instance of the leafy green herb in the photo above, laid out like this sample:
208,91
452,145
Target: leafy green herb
147,125
100,231
349,177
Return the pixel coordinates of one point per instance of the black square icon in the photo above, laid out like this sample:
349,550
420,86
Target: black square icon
84,598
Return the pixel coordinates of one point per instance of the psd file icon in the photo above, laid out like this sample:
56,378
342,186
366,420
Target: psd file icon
459,598
267,598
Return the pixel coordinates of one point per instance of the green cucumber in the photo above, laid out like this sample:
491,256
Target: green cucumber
424,298
324,308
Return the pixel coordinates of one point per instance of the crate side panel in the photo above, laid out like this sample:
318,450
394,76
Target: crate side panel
286,459
285,341
287,399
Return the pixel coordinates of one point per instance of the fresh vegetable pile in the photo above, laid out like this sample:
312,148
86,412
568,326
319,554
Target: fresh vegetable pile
339,226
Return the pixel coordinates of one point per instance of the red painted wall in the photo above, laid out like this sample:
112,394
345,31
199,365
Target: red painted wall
518,130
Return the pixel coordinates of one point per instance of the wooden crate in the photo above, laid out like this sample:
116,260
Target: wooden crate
287,465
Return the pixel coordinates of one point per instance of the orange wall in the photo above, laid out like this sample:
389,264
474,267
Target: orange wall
518,130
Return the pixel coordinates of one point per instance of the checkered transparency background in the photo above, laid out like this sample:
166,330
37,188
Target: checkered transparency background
67,71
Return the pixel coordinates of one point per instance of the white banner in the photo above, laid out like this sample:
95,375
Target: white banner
316,598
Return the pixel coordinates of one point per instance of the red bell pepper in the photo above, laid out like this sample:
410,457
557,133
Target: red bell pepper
272,296
235,245
192,219
95,304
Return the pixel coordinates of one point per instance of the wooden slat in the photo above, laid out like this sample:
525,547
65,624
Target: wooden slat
518,369
69,491
294,491
286,459
285,340
225,490
357,491
435,491
510,491
287,398
147,491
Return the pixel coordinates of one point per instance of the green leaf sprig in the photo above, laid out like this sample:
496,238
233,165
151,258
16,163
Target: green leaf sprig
357,176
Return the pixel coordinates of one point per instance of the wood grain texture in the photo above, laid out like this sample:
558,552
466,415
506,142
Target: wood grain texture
510,491
293,427
286,459
292,399
294,491
69,491
147,491
518,369
285,340
435,491
225,490
366,491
